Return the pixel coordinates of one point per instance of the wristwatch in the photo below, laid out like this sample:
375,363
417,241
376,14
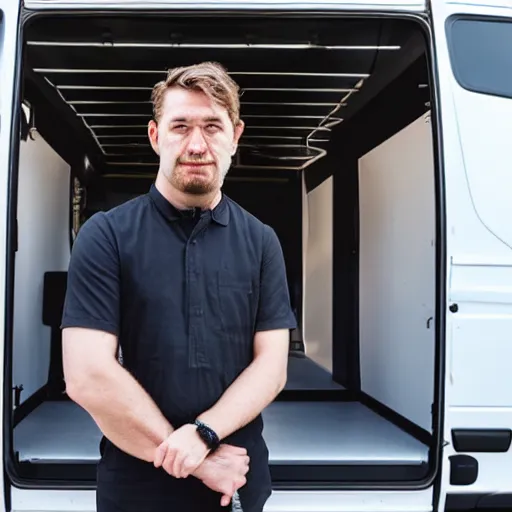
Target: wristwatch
208,435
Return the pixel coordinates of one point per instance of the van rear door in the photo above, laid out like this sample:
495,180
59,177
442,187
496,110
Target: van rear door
9,15
473,45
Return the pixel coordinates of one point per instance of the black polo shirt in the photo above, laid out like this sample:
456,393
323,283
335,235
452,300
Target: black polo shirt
184,291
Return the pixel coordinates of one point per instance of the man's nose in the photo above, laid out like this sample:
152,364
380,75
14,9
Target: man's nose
197,144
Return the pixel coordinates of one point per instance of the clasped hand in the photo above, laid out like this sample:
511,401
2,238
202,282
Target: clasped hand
182,452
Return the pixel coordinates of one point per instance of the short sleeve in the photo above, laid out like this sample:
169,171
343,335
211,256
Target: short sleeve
274,310
93,291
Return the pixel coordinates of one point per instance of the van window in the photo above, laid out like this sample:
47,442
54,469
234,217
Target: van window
480,54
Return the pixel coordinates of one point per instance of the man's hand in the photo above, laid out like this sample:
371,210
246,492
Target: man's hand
224,471
182,452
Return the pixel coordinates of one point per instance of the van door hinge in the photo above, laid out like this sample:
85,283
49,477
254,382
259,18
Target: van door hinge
17,395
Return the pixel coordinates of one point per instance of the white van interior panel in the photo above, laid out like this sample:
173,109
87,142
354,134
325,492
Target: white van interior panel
43,245
397,261
317,218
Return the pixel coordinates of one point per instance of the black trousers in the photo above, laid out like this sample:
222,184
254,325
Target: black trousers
108,500
123,491
138,499
126,484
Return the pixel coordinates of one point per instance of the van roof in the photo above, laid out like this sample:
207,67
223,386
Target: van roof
409,5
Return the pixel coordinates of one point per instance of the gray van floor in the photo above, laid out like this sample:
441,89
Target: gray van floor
296,432
350,433
306,374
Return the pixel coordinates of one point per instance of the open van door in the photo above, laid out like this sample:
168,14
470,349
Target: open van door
473,41
9,13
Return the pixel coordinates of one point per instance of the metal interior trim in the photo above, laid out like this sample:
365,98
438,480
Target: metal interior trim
228,46
142,88
237,73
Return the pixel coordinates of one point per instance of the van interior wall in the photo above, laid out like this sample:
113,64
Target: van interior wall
318,278
397,269
43,213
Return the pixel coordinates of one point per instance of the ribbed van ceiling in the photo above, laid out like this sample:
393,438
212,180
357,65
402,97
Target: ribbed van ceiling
296,76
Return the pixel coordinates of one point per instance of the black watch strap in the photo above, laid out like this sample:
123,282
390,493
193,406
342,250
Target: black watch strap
207,435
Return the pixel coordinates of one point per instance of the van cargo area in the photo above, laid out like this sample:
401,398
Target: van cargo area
337,156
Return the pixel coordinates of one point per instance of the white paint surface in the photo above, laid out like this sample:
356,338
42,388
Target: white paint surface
43,245
8,44
478,181
397,272
410,5
280,501
318,275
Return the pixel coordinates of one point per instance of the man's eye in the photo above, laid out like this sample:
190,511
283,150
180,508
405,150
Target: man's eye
213,127
180,127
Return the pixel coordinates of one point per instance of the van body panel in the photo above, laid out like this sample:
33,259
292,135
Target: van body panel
9,13
476,154
407,5
479,260
504,4
280,501
394,5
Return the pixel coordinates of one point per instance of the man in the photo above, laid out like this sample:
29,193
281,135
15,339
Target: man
193,290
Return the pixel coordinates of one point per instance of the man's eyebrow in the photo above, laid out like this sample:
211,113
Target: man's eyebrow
183,119
215,119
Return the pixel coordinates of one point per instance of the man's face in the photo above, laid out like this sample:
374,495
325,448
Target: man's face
195,140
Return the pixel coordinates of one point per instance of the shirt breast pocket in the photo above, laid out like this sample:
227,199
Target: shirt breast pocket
237,295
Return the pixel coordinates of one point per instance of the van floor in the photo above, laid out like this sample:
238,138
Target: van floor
298,433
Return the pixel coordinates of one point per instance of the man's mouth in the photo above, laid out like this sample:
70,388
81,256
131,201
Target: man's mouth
195,164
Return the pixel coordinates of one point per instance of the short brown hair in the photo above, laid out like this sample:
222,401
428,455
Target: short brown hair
210,78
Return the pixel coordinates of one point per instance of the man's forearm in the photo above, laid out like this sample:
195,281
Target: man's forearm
124,411
254,389
127,415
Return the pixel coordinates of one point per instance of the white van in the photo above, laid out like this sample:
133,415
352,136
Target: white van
378,146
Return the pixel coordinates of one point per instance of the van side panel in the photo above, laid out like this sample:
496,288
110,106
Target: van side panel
476,122
401,5
280,501
9,12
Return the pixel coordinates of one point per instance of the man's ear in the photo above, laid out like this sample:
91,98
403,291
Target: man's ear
153,135
239,129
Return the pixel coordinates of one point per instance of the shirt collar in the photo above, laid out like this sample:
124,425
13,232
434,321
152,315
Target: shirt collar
220,214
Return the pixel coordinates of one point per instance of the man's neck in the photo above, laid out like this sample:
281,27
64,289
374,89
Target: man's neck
181,200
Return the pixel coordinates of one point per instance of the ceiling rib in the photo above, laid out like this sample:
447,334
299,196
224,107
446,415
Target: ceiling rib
235,73
220,46
259,103
142,88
